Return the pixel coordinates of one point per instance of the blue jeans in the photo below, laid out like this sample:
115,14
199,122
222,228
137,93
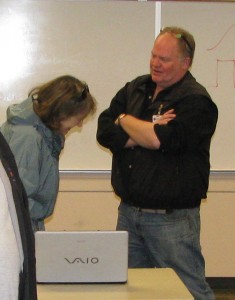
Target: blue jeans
167,241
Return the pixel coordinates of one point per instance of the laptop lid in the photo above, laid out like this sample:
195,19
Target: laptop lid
81,257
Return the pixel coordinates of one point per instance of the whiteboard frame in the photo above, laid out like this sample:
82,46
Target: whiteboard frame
158,17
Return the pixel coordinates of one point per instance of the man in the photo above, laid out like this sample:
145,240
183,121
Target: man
17,257
159,128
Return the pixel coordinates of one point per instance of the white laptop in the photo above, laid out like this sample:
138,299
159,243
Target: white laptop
81,256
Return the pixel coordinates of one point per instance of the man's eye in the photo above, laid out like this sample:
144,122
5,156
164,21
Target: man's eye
164,59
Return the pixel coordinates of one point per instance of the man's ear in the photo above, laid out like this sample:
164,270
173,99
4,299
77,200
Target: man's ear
187,63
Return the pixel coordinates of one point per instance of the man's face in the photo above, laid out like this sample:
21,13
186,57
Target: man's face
167,65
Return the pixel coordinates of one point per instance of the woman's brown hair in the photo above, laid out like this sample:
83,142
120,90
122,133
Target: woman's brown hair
61,98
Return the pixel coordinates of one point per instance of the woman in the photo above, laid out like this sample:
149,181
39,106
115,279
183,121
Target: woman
35,130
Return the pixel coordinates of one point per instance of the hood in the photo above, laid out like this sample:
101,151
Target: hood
22,113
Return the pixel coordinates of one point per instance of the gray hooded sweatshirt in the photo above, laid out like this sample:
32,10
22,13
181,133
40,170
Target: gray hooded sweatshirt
36,149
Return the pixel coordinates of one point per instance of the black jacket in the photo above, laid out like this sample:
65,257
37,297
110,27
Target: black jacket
176,175
27,288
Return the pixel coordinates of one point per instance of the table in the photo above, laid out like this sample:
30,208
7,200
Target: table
142,284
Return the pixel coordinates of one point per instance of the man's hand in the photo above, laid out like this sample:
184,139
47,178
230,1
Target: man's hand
165,118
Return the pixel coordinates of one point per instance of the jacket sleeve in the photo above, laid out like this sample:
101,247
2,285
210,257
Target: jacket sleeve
108,134
26,148
27,285
195,123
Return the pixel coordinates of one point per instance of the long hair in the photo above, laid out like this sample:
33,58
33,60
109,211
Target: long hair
61,98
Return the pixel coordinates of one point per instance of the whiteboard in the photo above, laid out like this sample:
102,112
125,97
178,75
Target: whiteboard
213,27
104,43
108,43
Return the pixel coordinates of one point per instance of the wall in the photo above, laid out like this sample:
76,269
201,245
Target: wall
87,202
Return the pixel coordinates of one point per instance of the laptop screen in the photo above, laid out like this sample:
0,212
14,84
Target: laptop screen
81,256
